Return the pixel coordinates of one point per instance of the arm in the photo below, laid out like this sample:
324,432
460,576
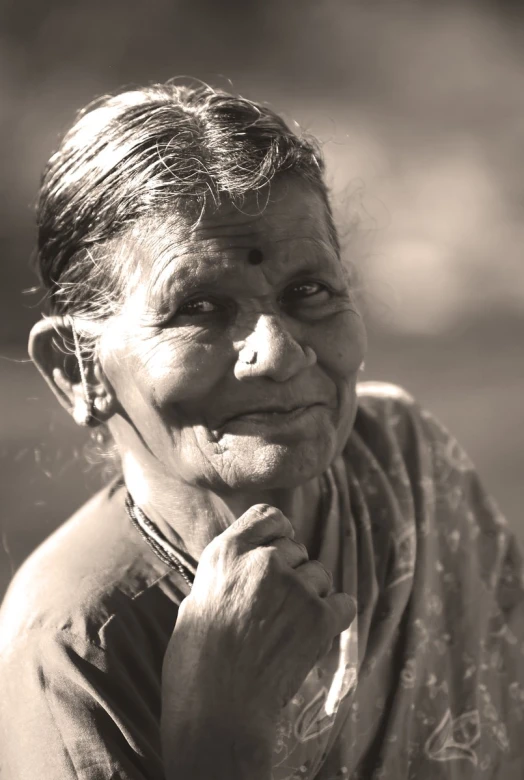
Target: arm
255,623
64,717
206,735
217,747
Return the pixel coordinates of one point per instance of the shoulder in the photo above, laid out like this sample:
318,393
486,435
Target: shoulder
390,417
402,446
382,400
383,392
389,411
395,435
92,568
387,418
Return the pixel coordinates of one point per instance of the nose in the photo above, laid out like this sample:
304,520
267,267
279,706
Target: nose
271,351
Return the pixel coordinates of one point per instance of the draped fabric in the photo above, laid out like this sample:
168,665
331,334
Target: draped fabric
428,682
432,677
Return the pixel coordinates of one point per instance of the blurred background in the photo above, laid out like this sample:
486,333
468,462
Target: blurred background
420,107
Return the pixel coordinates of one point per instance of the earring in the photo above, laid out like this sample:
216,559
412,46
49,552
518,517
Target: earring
98,437
102,404
82,413
362,366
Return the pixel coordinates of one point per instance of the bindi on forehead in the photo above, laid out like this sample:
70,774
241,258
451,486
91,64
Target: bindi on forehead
255,257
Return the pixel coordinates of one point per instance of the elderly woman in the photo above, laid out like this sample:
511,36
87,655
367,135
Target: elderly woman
293,576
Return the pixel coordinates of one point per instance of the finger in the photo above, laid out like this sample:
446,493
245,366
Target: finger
260,524
343,608
294,553
315,575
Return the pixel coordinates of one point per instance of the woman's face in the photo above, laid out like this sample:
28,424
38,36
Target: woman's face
235,356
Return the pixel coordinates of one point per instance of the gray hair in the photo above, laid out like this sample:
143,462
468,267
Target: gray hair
139,153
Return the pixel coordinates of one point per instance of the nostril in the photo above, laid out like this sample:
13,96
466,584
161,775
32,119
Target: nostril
271,349
248,356
255,257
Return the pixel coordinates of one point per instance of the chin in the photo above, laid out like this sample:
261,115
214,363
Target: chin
262,465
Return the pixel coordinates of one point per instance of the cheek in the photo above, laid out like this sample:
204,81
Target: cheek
340,344
166,372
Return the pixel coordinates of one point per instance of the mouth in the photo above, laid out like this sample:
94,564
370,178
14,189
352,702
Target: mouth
273,415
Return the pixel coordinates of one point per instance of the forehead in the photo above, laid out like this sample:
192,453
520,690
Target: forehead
264,230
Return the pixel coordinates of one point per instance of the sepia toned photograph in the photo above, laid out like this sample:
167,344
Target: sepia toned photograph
262,386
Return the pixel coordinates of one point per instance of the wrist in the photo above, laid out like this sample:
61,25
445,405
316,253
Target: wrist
198,678
215,748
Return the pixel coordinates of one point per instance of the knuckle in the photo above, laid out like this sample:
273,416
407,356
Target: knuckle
350,607
302,549
326,572
223,545
262,510
268,559
209,551
274,515
343,609
212,553
267,553
321,571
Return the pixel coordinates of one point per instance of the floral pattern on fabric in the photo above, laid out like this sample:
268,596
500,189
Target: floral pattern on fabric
438,688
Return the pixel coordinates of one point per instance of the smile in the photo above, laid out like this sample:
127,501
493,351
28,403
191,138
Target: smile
274,417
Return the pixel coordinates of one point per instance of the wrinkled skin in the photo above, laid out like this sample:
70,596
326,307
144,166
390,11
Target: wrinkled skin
231,389
259,616
177,358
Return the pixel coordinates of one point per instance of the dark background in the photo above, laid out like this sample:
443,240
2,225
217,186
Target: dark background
421,110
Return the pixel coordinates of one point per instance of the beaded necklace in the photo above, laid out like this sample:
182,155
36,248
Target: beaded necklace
156,540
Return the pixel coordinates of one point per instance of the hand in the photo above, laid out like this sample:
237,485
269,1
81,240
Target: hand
258,618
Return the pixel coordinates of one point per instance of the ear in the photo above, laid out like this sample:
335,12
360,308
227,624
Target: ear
51,348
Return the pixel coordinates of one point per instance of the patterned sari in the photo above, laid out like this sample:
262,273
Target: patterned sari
429,680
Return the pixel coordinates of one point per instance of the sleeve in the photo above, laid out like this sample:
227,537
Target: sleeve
68,712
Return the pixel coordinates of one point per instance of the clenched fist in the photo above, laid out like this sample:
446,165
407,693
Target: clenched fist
258,618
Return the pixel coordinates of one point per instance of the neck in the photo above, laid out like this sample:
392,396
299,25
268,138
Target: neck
192,516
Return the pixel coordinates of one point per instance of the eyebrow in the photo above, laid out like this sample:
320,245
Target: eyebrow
176,278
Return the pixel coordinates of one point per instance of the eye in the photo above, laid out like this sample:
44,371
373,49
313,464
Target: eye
300,291
197,306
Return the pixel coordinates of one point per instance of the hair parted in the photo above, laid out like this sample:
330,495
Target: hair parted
139,153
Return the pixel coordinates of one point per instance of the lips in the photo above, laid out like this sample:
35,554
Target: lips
264,412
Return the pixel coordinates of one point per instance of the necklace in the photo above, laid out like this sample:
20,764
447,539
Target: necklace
156,540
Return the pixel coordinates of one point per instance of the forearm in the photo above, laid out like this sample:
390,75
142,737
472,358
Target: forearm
207,732
218,747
